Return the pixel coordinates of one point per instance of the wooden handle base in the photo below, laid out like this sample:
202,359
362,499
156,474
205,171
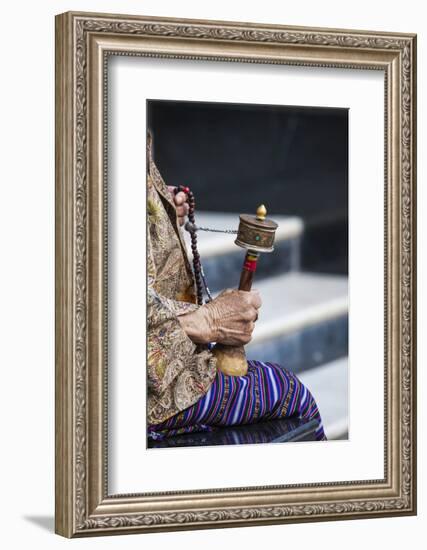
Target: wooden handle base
231,360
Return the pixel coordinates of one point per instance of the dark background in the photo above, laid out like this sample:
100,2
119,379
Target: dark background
236,156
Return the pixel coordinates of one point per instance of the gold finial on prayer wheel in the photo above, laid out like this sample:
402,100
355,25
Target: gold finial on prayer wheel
261,212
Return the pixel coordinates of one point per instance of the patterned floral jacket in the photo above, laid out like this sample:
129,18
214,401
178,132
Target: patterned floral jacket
179,372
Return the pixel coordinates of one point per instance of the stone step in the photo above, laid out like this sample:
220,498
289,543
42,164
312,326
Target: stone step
324,246
222,259
295,300
329,385
303,321
306,348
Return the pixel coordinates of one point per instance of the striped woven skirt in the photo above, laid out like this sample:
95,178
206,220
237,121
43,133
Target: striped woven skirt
266,392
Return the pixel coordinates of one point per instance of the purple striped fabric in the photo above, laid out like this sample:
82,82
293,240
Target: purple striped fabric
267,391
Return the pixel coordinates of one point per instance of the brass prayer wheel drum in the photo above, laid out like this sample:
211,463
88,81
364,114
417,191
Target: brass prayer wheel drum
255,234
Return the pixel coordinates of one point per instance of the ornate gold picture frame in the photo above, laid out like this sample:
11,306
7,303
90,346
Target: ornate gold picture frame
84,42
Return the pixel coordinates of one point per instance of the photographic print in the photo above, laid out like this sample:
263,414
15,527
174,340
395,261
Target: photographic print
247,306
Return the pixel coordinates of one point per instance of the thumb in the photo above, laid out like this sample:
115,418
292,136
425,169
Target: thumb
256,298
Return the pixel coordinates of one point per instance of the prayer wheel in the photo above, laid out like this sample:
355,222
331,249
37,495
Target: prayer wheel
255,234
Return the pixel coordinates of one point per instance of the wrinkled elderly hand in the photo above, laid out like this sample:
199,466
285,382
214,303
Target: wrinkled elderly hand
228,319
180,204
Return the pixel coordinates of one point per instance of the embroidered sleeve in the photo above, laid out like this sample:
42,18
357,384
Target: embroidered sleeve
177,307
172,355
